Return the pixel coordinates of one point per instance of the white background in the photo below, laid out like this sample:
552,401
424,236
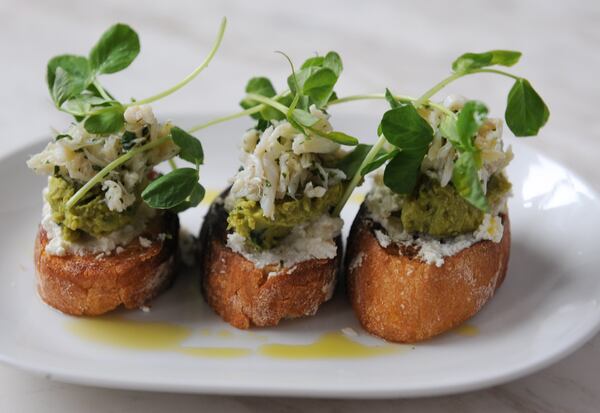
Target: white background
407,46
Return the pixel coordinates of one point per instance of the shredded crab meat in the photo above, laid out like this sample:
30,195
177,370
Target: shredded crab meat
383,204
282,162
78,155
439,160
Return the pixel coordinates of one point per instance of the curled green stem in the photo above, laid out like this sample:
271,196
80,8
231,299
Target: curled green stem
227,118
192,75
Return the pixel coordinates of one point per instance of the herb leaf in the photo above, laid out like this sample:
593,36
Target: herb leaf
469,61
469,120
391,99
105,121
406,129
304,118
128,140
466,180
190,146
526,112
260,86
333,61
171,189
115,50
339,137
316,79
192,201
67,76
402,172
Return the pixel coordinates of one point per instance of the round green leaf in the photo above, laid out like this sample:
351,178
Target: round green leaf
106,121
466,181
469,61
115,50
402,172
470,119
526,112
171,189
67,76
406,129
190,148
193,200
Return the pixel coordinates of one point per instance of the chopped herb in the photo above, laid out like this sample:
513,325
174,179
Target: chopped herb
128,140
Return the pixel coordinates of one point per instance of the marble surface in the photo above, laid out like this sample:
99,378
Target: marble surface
404,45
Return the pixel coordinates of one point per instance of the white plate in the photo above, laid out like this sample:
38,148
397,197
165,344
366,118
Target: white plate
547,307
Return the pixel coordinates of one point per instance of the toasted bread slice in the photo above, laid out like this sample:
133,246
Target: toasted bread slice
95,284
244,295
400,298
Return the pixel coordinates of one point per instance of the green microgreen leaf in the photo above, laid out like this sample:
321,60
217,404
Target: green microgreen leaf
171,189
465,179
406,129
260,86
106,121
190,148
317,84
263,86
449,131
313,61
192,200
115,50
468,122
526,112
402,171
469,61
317,78
128,140
391,99
338,137
84,103
333,61
304,118
67,76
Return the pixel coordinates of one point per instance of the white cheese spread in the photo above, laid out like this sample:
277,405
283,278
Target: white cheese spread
310,240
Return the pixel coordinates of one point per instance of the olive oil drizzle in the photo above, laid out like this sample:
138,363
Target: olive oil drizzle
163,336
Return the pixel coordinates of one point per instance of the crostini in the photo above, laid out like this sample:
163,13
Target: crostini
422,263
109,230
431,243
270,248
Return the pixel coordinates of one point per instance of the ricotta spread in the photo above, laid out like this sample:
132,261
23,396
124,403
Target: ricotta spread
57,245
310,240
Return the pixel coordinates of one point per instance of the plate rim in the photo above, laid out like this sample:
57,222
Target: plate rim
251,389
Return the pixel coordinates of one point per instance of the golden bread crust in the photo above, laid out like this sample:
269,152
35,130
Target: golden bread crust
244,295
405,300
91,285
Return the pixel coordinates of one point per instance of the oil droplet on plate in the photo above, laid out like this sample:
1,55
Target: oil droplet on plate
130,334
357,198
224,334
215,352
209,196
328,346
467,330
